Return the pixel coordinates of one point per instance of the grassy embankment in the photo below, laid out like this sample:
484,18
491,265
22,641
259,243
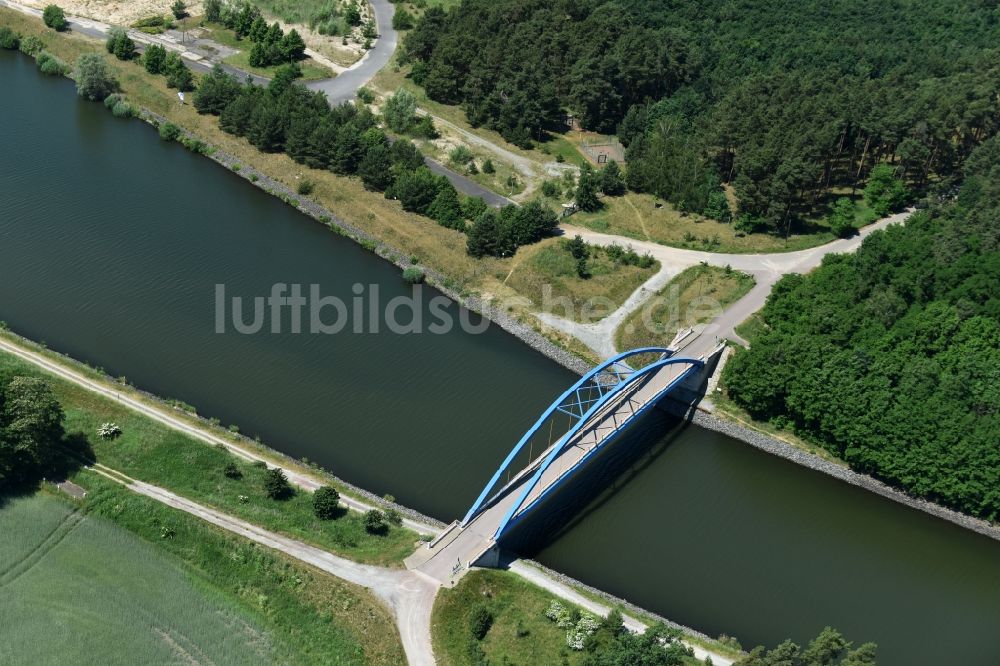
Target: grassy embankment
441,249
152,452
520,632
696,296
643,217
119,578
549,264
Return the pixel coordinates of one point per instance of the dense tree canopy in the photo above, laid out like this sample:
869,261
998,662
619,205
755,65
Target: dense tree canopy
31,426
785,100
890,357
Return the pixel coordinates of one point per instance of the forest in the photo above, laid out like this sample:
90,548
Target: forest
890,358
792,102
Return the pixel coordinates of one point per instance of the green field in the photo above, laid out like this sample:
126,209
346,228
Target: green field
77,588
152,452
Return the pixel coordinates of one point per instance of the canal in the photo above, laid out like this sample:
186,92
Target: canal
112,243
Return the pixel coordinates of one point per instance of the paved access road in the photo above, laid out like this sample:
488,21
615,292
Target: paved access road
766,269
344,87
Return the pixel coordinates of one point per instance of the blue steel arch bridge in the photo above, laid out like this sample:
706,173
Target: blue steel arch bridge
588,417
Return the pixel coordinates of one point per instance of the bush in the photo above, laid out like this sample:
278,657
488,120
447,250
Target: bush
326,503
393,517
413,275
460,155
399,110
232,471
305,187
480,621
120,44
120,108
55,18
179,9
31,45
154,58
366,95
375,522
51,65
424,128
276,484
488,166
94,79
169,132
9,39
551,189
402,20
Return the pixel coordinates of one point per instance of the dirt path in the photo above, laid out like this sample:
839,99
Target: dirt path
408,594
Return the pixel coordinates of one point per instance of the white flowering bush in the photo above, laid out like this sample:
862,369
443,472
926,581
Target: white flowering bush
585,626
109,430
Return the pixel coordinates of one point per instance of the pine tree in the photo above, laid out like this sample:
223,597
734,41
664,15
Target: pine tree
446,210
612,182
586,189
375,168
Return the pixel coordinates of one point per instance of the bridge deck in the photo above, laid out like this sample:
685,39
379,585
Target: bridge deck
468,543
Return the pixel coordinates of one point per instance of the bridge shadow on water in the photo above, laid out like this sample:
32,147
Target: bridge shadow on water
600,480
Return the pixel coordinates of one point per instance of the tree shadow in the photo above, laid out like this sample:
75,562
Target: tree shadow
65,459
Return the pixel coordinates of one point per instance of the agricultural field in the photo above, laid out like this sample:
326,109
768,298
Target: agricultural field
79,589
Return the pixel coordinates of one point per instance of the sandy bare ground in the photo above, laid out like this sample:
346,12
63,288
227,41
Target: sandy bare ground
122,13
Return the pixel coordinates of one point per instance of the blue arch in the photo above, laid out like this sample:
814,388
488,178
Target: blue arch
557,405
509,518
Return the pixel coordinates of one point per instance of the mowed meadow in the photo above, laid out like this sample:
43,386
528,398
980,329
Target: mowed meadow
76,588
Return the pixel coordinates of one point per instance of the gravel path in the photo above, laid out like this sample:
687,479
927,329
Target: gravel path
408,594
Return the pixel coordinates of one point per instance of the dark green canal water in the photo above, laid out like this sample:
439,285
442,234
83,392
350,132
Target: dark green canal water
112,243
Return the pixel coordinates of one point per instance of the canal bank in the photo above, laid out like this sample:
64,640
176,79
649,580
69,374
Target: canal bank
109,273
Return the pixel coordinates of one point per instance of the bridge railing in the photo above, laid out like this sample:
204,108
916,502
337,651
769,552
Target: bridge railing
575,403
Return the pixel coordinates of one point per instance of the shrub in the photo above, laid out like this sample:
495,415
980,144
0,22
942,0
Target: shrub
413,275
109,431
51,65
276,484
169,132
305,187
551,189
402,20
399,109
488,166
424,128
31,45
94,79
326,503
122,109
375,522
55,18
120,44
9,39
460,155
393,517
232,471
179,9
366,95
154,58
480,621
